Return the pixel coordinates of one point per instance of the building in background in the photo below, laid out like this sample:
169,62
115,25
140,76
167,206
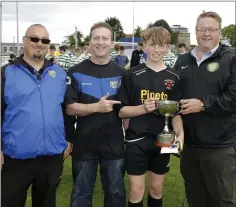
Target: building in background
184,35
9,47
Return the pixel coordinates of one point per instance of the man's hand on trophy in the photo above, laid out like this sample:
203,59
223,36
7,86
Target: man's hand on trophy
150,105
191,106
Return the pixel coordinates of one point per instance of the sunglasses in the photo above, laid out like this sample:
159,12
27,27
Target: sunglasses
36,39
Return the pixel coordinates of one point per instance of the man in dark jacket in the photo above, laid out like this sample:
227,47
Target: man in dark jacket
33,132
137,56
208,75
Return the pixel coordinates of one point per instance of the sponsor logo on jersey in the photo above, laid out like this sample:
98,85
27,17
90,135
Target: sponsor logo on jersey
146,94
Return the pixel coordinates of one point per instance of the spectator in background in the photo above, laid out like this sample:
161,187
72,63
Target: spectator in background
116,52
122,59
51,56
84,56
68,51
64,58
21,51
12,58
169,59
137,56
182,49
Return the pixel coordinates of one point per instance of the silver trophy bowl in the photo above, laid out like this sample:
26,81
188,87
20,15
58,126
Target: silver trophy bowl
166,108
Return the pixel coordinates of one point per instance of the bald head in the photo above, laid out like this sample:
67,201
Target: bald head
36,42
33,26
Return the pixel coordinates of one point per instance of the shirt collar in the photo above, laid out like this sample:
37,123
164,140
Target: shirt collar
211,52
21,61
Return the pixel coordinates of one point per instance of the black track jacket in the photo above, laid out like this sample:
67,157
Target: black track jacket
213,82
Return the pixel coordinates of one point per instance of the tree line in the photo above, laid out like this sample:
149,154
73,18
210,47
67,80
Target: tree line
228,32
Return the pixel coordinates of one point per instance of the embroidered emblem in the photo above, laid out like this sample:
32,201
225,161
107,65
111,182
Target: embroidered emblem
212,67
169,84
52,73
115,84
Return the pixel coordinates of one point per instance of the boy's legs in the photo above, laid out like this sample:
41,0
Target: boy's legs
159,165
136,190
136,166
155,189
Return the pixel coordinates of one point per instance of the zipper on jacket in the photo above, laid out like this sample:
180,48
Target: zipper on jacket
41,100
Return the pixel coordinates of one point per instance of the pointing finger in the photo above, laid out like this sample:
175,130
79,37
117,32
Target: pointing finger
114,102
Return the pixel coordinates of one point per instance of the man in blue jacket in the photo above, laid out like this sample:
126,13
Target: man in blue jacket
33,132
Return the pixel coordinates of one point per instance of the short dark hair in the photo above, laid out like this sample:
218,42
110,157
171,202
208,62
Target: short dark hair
12,55
62,48
66,47
52,47
122,48
181,45
117,47
101,25
140,43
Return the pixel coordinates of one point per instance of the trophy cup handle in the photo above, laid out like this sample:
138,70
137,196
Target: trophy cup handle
177,113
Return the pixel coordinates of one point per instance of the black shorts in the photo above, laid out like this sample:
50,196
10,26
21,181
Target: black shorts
144,155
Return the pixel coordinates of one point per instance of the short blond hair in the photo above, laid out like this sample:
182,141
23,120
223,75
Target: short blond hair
211,14
158,35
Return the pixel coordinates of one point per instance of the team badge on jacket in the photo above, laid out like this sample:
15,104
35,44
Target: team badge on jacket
212,67
115,84
52,73
169,84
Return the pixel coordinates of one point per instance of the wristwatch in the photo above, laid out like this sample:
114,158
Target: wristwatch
202,106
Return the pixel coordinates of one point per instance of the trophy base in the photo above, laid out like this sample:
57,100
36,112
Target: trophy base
160,144
165,140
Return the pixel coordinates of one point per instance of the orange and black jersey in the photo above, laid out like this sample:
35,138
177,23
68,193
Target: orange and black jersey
97,133
140,83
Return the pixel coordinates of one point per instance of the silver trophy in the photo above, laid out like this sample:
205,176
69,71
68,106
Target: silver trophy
167,109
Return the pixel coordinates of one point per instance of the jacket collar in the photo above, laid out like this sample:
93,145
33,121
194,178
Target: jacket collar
20,61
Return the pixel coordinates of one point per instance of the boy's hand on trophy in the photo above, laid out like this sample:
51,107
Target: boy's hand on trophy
150,105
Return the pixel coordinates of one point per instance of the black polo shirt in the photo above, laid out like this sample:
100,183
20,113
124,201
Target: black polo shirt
98,135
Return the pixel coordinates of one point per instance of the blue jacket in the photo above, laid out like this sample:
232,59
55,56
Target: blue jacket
32,117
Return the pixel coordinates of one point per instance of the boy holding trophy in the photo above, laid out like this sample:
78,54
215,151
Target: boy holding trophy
142,87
